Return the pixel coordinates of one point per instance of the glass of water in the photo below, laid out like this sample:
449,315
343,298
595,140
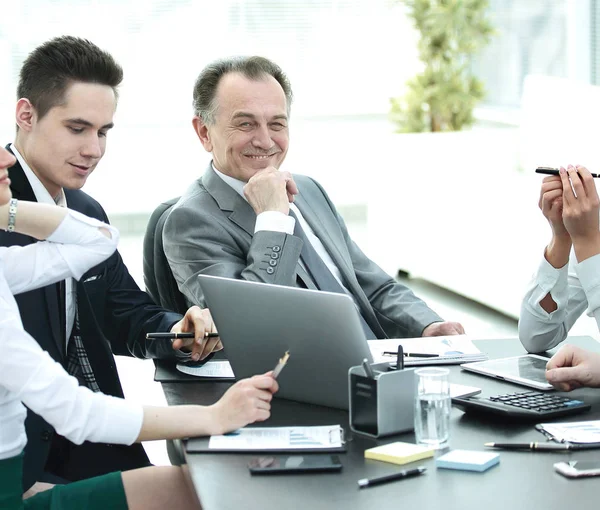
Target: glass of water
432,407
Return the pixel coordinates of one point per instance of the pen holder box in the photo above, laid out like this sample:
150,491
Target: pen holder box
384,405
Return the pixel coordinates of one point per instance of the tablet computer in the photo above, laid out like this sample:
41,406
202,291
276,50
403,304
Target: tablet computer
528,370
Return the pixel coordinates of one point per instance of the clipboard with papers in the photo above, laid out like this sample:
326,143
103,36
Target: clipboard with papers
440,350
575,432
323,439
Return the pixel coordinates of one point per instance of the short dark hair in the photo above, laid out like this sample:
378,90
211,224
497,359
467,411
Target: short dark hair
51,68
253,68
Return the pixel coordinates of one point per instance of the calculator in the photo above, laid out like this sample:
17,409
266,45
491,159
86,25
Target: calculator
532,405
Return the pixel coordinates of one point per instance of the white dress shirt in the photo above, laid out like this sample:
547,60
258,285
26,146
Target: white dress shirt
276,221
574,287
28,375
43,197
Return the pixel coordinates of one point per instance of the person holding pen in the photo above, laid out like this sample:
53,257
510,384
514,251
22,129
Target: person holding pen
29,377
567,281
67,90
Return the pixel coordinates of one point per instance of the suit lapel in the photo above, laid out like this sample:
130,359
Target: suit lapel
240,211
22,190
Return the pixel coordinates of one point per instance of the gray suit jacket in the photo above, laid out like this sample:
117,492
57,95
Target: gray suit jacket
211,231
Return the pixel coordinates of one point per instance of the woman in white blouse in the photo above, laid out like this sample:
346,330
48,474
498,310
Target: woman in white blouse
28,376
565,286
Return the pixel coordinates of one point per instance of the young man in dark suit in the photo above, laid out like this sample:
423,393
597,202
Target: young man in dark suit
67,97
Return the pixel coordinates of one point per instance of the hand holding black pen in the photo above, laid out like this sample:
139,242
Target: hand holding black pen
193,334
547,170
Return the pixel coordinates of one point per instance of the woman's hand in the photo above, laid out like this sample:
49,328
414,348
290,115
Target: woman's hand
247,401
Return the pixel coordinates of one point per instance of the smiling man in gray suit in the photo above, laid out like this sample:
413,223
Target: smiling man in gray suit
245,218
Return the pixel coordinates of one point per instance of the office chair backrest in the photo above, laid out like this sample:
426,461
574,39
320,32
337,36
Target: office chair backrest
159,280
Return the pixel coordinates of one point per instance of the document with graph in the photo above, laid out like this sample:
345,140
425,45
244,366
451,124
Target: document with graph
436,350
572,432
273,439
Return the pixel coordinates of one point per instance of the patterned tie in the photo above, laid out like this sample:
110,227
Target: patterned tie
321,275
78,363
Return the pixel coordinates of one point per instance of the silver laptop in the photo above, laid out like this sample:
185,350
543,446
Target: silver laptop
259,322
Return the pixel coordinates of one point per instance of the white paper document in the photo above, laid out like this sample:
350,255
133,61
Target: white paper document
574,432
221,369
450,350
279,438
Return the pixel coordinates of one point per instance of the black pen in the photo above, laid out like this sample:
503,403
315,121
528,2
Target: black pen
400,358
174,336
412,354
406,473
544,446
554,171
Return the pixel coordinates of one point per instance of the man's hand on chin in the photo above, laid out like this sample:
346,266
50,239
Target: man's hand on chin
444,329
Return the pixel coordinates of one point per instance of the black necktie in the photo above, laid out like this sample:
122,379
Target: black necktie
320,273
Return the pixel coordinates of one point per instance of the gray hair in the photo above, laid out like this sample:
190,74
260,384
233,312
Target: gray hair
253,68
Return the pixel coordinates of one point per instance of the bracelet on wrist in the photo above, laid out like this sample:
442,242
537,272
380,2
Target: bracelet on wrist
12,214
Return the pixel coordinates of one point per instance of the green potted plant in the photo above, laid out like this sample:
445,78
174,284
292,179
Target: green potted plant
443,95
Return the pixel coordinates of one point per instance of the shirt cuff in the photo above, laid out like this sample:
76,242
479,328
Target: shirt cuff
275,221
548,279
588,272
551,279
75,227
123,421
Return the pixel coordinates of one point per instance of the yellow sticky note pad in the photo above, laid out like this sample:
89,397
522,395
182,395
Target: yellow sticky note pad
399,453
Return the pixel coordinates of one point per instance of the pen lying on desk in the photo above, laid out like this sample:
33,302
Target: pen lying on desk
174,336
405,473
412,354
543,446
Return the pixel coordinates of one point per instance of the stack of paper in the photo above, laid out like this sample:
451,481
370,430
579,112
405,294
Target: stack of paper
450,350
467,460
399,453
219,369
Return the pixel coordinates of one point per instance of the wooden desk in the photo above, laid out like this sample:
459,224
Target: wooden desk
522,479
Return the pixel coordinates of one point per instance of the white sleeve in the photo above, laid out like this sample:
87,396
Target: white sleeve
43,385
540,330
274,221
74,247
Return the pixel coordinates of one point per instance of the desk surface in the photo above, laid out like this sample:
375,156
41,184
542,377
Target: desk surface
521,480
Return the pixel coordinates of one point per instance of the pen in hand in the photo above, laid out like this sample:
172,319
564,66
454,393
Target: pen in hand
405,473
546,170
279,367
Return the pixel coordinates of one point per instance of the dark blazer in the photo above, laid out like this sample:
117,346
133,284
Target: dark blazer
114,316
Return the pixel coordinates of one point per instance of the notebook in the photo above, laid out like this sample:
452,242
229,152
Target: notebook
399,453
451,350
